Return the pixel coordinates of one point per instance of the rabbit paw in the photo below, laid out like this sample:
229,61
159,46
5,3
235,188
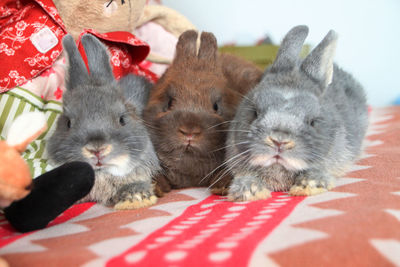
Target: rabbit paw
132,197
161,185
308,187
247,189
220,185
221,191
137,201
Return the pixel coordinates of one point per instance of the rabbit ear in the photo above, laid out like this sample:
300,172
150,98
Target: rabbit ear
98,58
290,48
208,47
77,72
136,90
318,65
186,46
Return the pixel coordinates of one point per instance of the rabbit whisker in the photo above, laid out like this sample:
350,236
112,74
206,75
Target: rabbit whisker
221,176
240,143
244,131
246,97
218,124
225,162
147,124
251,109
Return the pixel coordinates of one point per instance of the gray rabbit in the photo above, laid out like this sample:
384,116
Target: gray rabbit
300,128
101,124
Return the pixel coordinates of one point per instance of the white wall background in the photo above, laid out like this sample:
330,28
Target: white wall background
369,32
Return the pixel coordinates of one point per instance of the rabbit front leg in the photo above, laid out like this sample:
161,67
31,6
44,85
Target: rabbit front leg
248,187
312,182
161,185
134,195
219,184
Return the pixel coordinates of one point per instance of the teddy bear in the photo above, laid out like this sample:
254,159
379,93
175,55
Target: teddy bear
157,25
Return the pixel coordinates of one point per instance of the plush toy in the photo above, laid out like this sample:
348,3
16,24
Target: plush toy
30,40
157,25
31,32
31,205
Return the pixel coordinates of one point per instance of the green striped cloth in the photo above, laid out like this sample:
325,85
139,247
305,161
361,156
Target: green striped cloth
18,101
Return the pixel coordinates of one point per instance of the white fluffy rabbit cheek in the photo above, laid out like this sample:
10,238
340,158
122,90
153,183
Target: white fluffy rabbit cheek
102,159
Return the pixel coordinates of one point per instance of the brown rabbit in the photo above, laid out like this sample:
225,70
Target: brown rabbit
189,110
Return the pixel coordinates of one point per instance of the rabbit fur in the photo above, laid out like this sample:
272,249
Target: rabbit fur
300,128
101,124
189,110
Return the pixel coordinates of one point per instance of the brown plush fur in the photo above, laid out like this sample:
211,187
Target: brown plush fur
78,15
190,108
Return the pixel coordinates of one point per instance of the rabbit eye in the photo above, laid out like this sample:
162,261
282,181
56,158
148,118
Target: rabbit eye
215,107
122,121
313,122
69,124
169,104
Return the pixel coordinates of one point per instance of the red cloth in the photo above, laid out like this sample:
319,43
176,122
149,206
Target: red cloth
211,232
22,22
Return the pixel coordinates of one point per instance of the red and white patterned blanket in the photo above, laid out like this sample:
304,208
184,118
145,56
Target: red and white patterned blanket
355,224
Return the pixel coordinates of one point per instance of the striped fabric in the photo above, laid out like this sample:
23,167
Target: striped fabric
18,101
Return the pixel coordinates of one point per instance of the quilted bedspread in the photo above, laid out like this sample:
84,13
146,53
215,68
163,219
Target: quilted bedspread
355,224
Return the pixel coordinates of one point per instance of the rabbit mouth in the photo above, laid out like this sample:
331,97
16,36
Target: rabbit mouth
190,148
289,163
117,165
267,160
97,163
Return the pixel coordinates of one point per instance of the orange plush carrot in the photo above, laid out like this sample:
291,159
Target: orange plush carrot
15,178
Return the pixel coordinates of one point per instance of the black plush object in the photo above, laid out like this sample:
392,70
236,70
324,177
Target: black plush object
52,193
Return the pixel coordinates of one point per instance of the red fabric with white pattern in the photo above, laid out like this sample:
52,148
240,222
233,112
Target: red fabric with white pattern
355,224
22,60
213,231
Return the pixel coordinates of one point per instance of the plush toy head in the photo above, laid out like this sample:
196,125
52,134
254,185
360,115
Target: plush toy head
15,178
100,15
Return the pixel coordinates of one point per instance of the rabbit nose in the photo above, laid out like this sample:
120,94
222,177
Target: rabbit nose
190,133
277,143
97,151
281,145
